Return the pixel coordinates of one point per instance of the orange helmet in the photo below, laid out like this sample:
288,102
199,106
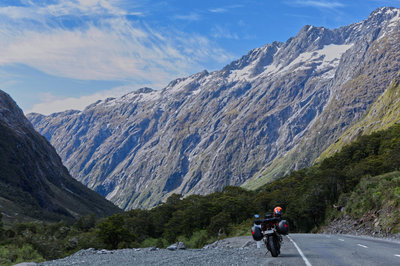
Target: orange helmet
278,211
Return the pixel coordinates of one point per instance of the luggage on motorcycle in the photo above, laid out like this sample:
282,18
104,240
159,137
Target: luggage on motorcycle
268,216
256,233
283,227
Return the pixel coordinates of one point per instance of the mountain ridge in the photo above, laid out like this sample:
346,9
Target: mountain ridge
357,90
209,130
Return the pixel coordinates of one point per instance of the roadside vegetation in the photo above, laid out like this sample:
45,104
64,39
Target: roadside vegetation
362,177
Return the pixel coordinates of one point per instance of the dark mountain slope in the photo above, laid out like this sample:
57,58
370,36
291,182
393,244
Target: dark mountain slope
33,181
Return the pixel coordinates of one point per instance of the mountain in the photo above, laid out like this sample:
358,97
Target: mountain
270,112
33,182
363,74
384,113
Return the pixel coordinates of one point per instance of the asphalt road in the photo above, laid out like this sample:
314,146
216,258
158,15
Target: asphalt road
297,249
320,249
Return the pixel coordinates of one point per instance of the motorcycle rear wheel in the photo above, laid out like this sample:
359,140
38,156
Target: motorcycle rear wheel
273,246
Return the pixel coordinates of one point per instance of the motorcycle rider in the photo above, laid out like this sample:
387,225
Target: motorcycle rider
278,212
281,224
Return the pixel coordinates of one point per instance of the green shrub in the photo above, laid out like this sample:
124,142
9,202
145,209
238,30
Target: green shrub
378,194
85,223
154,242
242,229
397,192
11,254
198,240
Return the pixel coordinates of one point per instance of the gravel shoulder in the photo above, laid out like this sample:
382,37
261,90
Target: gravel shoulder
233,251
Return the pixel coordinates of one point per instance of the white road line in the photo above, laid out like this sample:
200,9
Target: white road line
341,239
397,255
362,246
300,252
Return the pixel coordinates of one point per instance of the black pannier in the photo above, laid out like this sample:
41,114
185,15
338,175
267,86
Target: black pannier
256,233
283,227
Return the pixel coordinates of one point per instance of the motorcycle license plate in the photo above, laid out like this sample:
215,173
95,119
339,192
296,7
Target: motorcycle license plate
269,232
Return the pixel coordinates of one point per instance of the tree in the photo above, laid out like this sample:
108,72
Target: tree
112,231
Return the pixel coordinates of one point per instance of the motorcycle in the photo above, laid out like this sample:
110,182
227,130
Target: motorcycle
270,229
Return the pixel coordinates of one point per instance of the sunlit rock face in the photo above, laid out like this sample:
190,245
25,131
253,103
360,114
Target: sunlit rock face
204,132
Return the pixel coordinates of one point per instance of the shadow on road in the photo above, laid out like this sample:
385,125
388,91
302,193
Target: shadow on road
289,255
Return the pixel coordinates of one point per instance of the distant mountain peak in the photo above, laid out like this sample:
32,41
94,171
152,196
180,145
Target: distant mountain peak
144,90
384,13
209,130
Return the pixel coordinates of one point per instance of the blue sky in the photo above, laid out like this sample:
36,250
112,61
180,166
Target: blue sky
57,55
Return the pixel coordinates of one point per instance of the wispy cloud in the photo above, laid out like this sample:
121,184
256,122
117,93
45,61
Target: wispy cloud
297,15
190,17
319,4
224,9
218,10
102,45
95,40
223,32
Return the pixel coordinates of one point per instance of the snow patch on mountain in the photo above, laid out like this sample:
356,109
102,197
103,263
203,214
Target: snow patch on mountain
152,96
241,74
328,56
247,73
395,20
332,54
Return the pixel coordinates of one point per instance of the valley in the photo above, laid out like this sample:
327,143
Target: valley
311,124
273,111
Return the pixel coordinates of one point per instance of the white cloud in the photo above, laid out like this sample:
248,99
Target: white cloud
320,4
104,46
52,104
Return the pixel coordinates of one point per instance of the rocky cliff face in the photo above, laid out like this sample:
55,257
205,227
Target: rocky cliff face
33,181
204,132
384,113
364,73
